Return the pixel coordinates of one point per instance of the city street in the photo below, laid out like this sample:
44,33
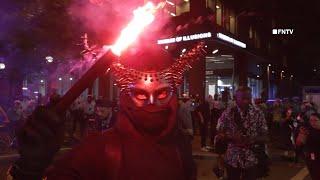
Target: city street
280,170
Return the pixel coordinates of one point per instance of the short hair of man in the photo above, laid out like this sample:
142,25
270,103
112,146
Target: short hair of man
242,89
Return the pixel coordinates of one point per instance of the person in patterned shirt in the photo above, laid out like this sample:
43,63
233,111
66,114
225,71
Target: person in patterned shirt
242,126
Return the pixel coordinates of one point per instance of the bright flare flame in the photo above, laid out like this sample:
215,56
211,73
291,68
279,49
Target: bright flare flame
143,16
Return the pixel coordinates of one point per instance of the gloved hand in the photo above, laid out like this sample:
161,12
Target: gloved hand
38,141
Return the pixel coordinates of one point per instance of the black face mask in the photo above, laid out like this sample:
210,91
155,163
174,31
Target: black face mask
150,119
153,120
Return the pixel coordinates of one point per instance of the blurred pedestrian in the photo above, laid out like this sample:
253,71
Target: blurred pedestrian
78,117
15,115
203,115
104,115
216,112
184,115
308,138
89,113
287,130
276,118
3,116
15,112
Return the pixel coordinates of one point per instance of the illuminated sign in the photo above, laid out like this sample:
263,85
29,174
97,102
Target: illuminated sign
231,40
185,38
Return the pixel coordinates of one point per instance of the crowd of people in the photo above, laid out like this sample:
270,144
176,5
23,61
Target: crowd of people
291,125
84,116
90,115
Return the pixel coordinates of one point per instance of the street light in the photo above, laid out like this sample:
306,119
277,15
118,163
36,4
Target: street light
215,51
268,76
49,59
2,66
60,79
71,79
281,74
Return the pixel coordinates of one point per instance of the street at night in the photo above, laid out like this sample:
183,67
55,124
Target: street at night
159,90
280,169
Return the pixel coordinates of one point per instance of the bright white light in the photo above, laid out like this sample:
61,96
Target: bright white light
41,81
60,79
231,40
36,92
258,65
49,59
186,0
71,79
218,7
166,47
282,71
184,50
205,46
258,76
172,14
171,3
269,65
291,76
24,88
215,51
2,66
220,83
143,16
226,55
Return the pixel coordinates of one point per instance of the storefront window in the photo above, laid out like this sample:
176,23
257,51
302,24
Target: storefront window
219,74
216,84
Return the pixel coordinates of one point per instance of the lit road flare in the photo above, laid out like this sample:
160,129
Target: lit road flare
143,16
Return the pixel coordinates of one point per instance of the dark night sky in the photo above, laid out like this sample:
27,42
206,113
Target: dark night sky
302,49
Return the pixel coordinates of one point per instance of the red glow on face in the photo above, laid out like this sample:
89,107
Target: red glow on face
143,16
